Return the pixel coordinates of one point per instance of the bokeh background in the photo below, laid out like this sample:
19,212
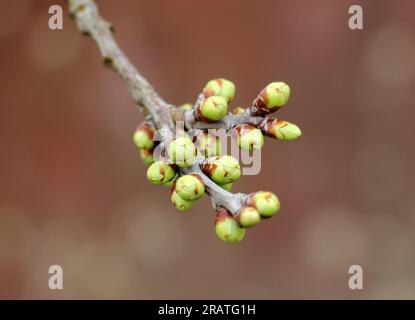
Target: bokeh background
73,190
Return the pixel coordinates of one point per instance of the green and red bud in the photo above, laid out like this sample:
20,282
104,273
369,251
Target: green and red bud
182,151
179,202
222,170
147,157
248,217
190,187
272,97
227,228
212,109
248,137
266,203
161,172
220,87
143,136
280,129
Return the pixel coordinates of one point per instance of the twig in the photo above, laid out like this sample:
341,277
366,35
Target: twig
89,22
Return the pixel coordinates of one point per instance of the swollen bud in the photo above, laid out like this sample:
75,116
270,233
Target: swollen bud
280,129
161,172
265,202
226,227
212,109
248,137
272,97
248,217
180,203
143,136
182,151
190,187
147,157
220,87
207,144
222,170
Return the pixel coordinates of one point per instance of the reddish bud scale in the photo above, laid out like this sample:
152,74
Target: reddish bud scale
209,166
260,108
208,92
269,127
147,128
221,215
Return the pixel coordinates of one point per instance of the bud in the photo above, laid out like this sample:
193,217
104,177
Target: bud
238,110
272,97
265,202
182,151
223,169
212,109
207,144
190,187
248,217
226,186
227,229
143,136
161,172
220,87
280,129
147,157
179,203
186,106
249,138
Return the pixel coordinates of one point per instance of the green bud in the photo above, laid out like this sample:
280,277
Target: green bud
147,156
265,202
190,187
238,110
220,87
272,97
182,151
213,109
226,186
207,144
248,217
223,169
280,129
179,203
226,227
249,138
161,172
143,136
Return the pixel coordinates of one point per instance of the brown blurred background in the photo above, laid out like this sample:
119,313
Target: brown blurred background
73,190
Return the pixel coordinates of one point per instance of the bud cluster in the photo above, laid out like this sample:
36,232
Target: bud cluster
248,126
259,205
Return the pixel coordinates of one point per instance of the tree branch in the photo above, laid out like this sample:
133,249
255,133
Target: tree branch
89,22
